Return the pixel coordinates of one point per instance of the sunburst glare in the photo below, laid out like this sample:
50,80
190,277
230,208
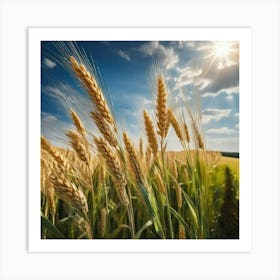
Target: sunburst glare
223,53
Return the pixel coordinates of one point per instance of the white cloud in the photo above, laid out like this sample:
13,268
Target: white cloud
166,55
54,129
229,91
221,131
187,76
223,144
209,115
49,63
67,97
48,117
123,55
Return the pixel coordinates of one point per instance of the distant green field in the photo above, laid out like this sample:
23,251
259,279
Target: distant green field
233,164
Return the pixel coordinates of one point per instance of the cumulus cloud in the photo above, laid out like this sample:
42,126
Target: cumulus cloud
187,76
209,115
225,144
166,55
217,74
223,80
67,97
221,131
123,55
49,63
229,91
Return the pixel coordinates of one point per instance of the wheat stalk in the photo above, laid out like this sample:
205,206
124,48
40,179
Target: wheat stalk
114,167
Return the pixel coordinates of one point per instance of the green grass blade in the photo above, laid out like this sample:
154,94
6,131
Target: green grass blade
51,228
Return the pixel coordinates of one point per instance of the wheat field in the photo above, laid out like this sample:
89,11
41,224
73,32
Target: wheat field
109,187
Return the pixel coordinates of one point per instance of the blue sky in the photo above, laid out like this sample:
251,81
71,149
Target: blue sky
128,71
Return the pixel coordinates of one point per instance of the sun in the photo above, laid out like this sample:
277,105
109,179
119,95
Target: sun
222,49
222,53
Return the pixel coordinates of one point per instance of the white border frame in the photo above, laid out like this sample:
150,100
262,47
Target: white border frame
262,16
243,35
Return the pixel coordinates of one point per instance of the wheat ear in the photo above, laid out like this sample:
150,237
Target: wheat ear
199,141
53,152
78,146
150,133
135,165
94,91
141,153
182,233
178,191
103,218
114,167
104,128
175,124
161,113
159,182
187,135
68,192
78,123
50,194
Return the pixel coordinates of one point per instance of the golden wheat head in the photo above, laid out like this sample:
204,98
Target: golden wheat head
161,113
91,86
150,133
135,165
114,167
